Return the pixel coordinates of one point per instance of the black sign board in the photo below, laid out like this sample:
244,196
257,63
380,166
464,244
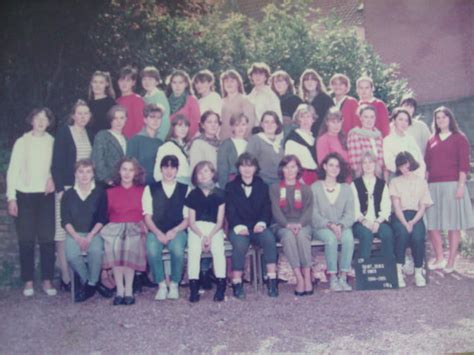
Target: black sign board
376,273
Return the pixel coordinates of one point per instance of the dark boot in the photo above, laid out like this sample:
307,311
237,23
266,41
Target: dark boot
194,291
220,290
238,290
104,291
137,283
146,282
272,286
87,291
205,279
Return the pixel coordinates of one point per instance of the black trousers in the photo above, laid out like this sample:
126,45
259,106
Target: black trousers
35,223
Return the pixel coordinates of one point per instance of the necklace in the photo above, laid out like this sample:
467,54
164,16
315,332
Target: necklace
329,189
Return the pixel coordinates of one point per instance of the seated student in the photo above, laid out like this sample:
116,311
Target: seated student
418,129
206,217
248,212
292,207
372,209
145,144
365,90
205,145
166,218
153,95
204,89
333,216
341,85
83,214
124,235
231,148
410,198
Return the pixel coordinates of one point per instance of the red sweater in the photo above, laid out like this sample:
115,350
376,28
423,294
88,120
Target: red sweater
349,109
446,159
328,144
192,113
382,123
125,205
134,105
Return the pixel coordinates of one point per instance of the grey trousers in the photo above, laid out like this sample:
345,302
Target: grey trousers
296,248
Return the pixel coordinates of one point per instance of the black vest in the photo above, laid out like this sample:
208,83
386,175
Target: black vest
168,212
294,136
363,195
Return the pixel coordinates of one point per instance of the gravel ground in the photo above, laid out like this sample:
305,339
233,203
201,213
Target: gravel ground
438,318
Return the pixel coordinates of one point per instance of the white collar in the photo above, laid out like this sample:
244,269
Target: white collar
83,196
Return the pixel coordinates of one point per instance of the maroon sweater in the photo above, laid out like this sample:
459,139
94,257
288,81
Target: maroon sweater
446,159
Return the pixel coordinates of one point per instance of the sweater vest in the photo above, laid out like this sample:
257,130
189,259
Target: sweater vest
294,136
363,195
168,212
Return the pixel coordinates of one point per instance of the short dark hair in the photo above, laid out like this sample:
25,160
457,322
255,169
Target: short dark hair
113,110
178,120
84,163
130,71
405,158
151,108
138,179
247,159
169,160
201,165
236,119
287,159
205,116
202,76
398,110
275,118
344,168
409,100
36,111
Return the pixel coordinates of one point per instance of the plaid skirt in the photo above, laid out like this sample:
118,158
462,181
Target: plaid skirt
124,245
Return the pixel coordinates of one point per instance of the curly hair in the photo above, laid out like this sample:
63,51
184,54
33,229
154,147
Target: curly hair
343,166
138,178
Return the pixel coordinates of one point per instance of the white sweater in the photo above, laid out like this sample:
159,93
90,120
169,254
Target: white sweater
170,148
211,102
30,164
394,144
264,100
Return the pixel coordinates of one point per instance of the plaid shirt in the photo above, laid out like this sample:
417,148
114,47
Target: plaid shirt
357,145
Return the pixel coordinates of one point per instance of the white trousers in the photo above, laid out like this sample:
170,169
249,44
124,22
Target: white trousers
195,250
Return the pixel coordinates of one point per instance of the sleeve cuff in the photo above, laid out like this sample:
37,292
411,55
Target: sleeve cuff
261,224
239,228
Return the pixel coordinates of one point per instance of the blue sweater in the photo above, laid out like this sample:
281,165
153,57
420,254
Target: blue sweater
144,148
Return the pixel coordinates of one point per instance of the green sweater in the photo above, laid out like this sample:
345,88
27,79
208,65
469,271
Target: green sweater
144,148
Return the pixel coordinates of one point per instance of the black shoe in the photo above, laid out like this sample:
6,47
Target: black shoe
137,284
220,290
128,300
66,287
205,279
87,291
238,290
118,300
300,294
309,293
194,291
146,282
104,291
272,286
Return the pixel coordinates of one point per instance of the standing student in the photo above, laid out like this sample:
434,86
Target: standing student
399,140
418,129
132,102
267,147
83,214
205,145
167,219
176,144
124,235
333,216
341,85
145,144
282,84
206,206
100,99
372,209
231,148
331,137
30,195
313,92
181,101
410,198
234,103
447,165
300,142
365,90
262,97
248,212
292,208
110,146
365,138
153,95
205,90
73,142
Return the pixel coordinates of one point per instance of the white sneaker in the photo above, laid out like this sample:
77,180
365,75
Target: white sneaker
173,293
162,292
344,285
334,284
437,265
28,292
401,278
50,291
419,278
409,266
448,270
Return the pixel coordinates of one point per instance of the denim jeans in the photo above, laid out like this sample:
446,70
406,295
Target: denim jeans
154,250
415,239
366,238
91,272
330,248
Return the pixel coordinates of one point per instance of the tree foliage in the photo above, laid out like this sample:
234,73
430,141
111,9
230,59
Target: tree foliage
52,47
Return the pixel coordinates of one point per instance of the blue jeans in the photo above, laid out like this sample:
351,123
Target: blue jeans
91,272
415,239
154,250
330,249
366,238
